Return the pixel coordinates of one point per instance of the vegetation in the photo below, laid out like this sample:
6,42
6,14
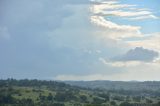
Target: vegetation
51,93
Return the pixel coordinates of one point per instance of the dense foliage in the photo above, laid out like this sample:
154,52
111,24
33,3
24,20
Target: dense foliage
51,93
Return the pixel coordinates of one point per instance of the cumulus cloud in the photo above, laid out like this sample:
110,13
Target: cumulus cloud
64,37
109,30
137,54
151,41
133,58
55,36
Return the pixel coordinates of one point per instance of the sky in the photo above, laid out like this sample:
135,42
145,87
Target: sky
80,39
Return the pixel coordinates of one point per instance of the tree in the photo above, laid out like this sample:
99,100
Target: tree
50,97
149,101
113,103
125,104
97,100
106,96
41,97
6,99
58,104
137,98
83,98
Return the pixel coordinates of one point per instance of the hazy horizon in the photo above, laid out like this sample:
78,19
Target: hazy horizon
83,40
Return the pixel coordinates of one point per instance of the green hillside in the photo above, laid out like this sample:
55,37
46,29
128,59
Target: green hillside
52,93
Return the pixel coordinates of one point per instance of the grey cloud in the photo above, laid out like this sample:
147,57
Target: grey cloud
29,52
49,38
137,54
4,33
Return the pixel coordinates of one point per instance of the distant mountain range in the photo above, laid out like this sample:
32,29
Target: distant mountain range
126,85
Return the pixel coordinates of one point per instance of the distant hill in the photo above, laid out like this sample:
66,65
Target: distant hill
52,93
126,85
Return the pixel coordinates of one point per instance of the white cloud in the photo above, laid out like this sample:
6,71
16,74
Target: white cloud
144,17
133,58
102,10
141,72
114,30
73,40
119,63
133,70
121,13
152,41
75,31
114,8
79,77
